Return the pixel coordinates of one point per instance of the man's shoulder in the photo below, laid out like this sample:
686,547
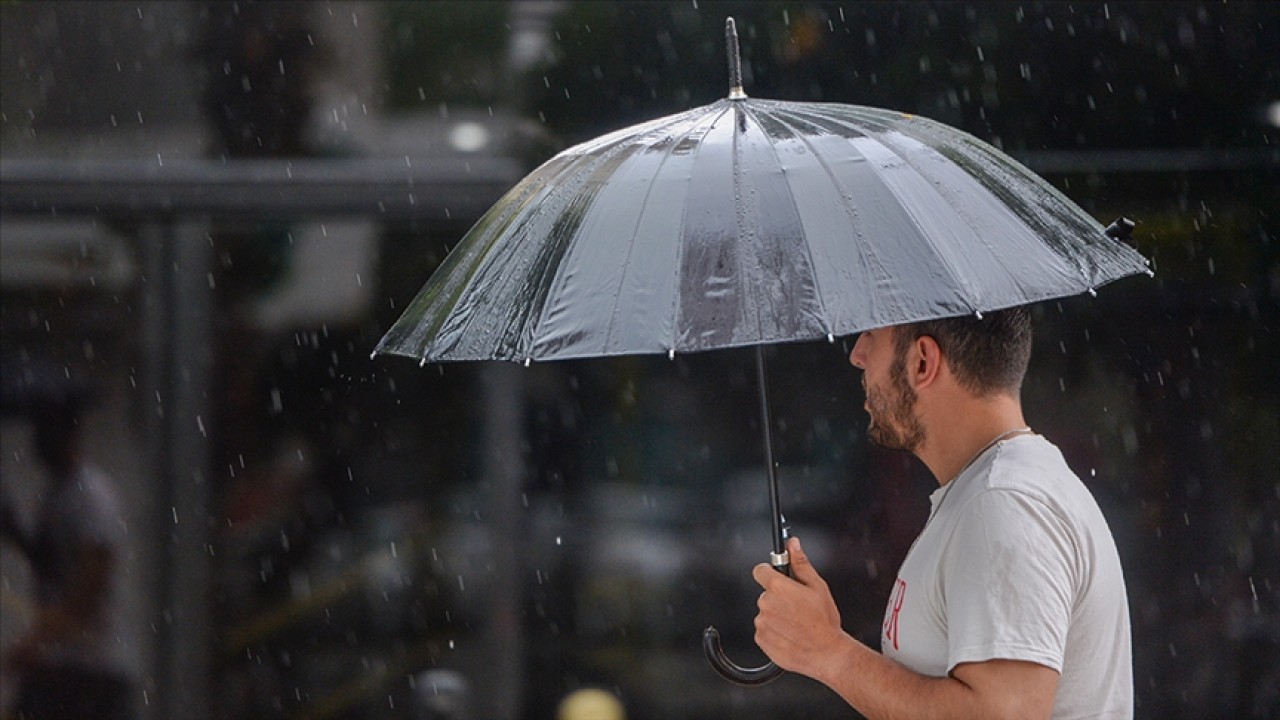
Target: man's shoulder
1032,474
1034,467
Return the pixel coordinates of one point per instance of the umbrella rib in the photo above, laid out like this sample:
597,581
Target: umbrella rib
482,266
427,297
644,205
996,162
676,298
956,278
601,149
997,256
739,216
817,290
868,257
596,152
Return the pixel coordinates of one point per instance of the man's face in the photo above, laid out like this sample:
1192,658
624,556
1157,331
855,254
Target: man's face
891,401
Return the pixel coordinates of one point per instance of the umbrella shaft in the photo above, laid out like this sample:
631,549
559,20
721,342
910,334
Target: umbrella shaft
779,539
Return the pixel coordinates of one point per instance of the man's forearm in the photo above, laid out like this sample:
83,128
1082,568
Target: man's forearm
882,689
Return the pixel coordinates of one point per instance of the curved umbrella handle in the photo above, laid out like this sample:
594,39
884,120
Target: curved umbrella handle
728,669
779,559
731,671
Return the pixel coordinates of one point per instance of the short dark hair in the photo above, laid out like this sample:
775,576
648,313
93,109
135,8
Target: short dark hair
988,354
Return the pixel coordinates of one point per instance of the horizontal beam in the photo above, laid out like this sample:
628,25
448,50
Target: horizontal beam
433,190
1054,162
436,190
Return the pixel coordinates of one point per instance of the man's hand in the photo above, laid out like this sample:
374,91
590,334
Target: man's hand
798,626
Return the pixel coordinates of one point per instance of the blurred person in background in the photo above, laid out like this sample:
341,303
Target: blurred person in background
71,662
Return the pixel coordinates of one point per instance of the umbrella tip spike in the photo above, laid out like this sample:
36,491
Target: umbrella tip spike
735,60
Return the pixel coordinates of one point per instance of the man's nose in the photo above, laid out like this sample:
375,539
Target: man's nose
856,356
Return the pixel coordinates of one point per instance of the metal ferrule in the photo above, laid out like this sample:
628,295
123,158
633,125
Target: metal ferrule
781,559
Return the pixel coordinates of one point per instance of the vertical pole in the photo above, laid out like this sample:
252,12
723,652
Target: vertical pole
502,687
178,340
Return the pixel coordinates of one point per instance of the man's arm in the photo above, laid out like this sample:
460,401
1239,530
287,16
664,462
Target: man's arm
798,627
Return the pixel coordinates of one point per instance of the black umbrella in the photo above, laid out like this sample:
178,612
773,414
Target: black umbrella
748,222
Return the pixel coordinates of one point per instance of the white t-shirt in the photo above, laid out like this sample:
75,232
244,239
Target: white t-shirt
1017,563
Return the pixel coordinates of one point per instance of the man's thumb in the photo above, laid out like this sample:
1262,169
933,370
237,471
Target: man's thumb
801,568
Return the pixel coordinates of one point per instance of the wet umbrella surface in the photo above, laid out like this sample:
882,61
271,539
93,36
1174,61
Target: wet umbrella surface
748,222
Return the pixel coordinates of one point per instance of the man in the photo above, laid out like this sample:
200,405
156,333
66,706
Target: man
72,661
1011,602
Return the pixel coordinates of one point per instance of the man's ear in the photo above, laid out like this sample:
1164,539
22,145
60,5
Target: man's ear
925,362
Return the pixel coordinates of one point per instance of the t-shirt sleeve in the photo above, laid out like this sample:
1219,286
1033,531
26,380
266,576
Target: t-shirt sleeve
1008,581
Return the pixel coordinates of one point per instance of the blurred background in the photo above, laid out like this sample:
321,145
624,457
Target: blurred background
212,211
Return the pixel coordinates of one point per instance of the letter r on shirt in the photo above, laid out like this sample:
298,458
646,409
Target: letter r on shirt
891,617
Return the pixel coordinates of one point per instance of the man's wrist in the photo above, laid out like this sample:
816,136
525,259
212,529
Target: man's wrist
840,661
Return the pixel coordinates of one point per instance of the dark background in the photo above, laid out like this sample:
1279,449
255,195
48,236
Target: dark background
375,528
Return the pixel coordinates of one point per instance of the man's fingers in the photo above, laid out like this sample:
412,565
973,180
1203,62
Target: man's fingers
766,576
801,568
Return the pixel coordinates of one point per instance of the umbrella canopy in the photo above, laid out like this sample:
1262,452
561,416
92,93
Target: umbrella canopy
753,221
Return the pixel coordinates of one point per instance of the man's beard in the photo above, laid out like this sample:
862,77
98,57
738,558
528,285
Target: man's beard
894,423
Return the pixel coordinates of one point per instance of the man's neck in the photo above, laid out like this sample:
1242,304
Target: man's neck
954,441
